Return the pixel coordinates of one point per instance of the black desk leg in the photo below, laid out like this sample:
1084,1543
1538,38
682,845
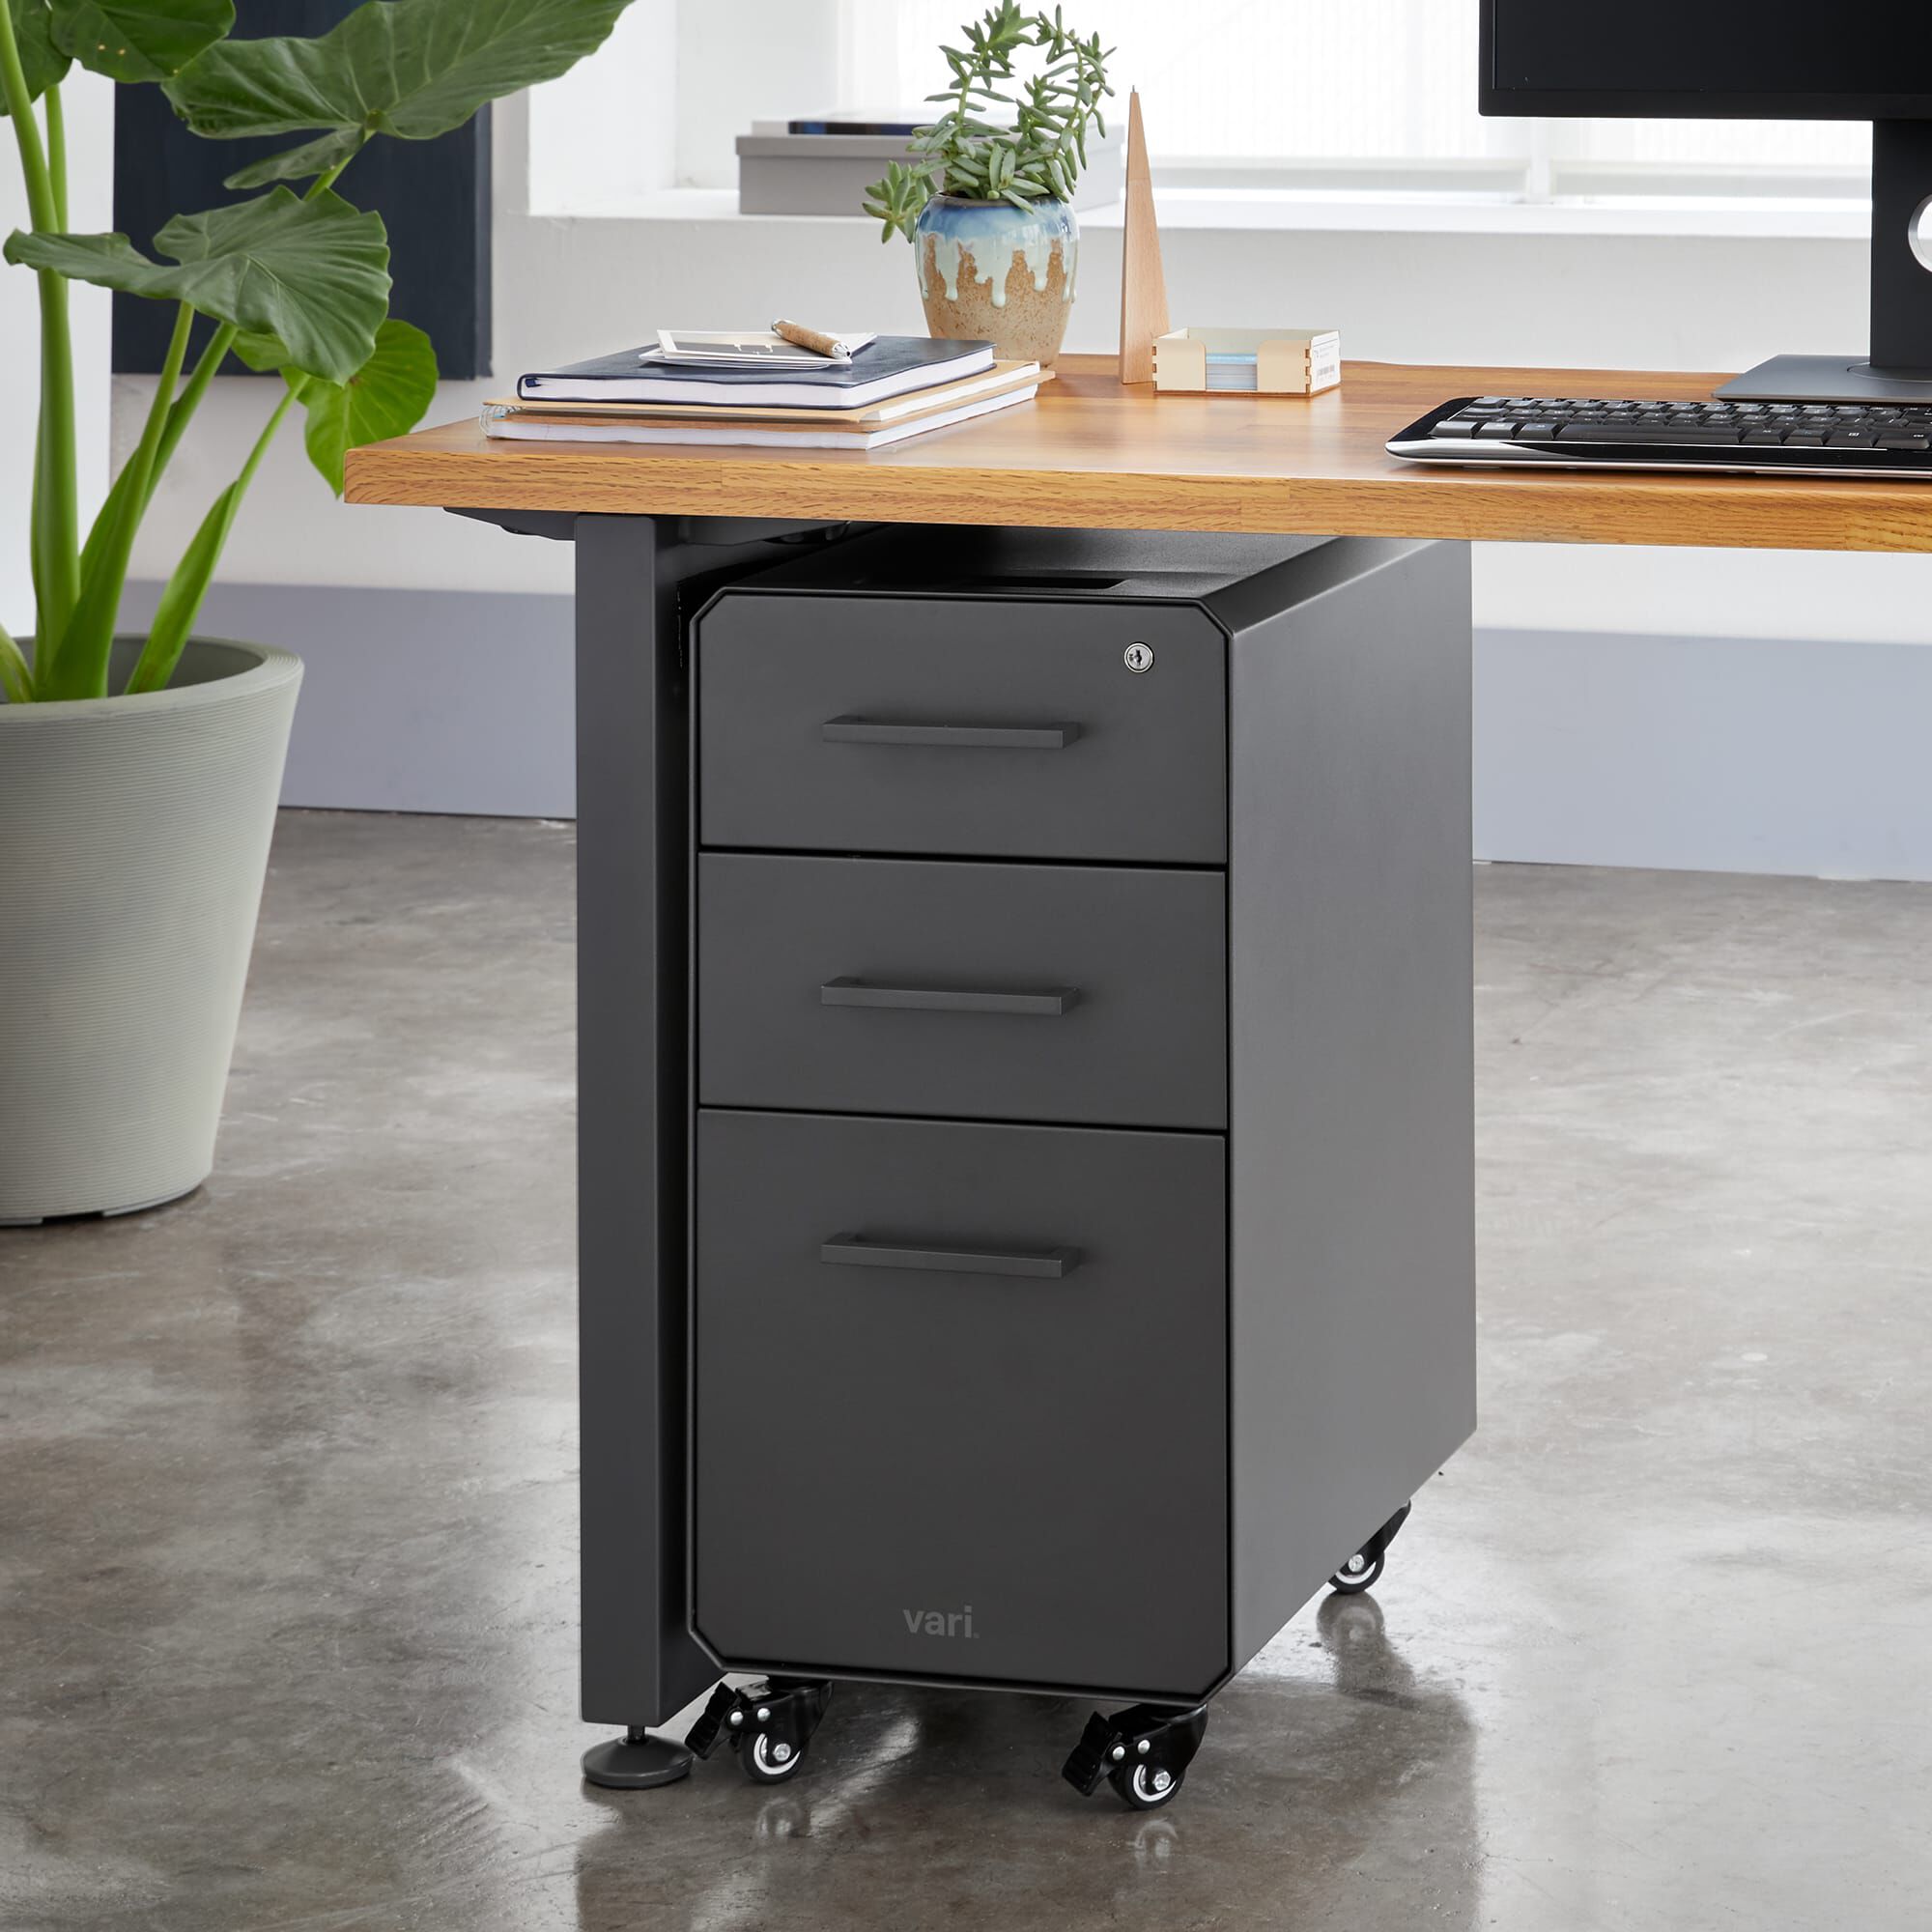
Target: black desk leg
641,1664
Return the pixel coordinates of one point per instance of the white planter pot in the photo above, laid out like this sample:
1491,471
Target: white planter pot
133,839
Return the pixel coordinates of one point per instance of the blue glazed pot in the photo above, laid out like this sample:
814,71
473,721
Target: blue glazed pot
992,270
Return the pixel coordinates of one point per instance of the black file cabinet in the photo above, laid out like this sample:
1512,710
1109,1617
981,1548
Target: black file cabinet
1081,1233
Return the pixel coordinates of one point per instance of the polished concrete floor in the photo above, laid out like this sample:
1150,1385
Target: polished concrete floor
287,1501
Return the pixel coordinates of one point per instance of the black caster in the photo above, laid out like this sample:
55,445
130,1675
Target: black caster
768,1723
1368,1562
1143,1752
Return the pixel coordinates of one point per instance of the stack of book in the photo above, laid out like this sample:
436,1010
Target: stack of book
890,387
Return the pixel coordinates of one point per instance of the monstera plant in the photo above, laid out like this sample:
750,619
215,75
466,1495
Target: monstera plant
294,282
139,773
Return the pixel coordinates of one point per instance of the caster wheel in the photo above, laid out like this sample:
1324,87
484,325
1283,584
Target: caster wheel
1366,1565
1358,1575
769,1760
1143,1752
1145,1787
768,1723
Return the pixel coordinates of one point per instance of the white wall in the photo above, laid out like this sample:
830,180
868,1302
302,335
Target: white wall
90,118
731,74
630,85
572,287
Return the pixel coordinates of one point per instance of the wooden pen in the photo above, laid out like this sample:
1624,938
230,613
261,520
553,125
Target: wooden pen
814,339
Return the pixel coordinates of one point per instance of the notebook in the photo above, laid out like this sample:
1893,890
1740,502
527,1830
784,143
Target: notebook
1001,377
891,365
512,424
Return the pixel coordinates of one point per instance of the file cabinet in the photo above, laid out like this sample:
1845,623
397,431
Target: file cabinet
1081,1256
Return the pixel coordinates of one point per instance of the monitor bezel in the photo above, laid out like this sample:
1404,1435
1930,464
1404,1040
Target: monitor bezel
1679,103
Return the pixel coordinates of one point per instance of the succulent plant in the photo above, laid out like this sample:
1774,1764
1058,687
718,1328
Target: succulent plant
1039,153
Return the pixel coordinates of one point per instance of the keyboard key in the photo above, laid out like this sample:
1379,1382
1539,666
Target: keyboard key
1853,438
1537,432
1806,438
1764,435
1496,432
1904,441
1465,430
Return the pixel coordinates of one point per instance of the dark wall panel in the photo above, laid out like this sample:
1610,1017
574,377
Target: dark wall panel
434,195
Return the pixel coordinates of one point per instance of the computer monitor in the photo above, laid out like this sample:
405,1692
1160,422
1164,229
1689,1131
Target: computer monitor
1782,60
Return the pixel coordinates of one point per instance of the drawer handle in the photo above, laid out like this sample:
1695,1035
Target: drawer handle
1051,1001
856,1251
986,737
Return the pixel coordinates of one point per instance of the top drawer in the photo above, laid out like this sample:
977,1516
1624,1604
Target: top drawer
1000,728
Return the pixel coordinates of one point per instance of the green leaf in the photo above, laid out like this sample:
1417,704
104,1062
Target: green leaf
181,599
139,39
261,350
17,676
314,272
410,67
312,158
40,60
387,396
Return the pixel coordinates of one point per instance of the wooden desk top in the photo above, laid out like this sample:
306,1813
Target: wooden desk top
1089,453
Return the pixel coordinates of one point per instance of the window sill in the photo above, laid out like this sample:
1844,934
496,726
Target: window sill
1370,211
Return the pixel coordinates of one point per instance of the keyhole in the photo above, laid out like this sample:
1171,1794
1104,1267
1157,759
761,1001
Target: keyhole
1919,235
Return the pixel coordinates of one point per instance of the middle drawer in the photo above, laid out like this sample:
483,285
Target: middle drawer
1060,993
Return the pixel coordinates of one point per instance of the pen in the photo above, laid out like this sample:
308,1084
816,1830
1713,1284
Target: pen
814,339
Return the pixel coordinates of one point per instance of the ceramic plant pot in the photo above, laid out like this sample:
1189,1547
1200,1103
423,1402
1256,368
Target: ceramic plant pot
992,270
133,839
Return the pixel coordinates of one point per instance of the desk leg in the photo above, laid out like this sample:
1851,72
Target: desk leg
641,1664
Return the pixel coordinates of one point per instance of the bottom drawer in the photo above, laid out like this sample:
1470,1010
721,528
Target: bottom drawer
960,1401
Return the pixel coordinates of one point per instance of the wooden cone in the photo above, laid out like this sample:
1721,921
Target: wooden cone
1143,285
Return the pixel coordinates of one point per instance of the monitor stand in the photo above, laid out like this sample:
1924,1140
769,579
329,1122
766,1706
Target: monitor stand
1899,368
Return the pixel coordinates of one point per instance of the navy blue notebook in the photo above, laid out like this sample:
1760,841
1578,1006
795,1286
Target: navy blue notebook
888,365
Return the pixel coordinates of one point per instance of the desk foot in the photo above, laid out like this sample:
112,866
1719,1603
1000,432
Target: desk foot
636,1761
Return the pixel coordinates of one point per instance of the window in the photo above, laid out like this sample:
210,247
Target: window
1304,95
1245,92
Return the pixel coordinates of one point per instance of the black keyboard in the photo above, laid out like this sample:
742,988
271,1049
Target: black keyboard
1612,433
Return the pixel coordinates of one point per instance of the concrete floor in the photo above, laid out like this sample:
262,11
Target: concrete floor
286,1504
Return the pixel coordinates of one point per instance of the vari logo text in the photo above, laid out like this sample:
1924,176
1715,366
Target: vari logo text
940,1623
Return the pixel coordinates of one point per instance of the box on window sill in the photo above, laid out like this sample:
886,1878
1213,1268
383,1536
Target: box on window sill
1246,362
780,172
